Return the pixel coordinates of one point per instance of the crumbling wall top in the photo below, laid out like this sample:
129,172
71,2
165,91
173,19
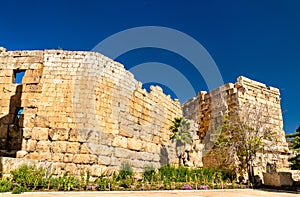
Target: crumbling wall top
2,49
244,81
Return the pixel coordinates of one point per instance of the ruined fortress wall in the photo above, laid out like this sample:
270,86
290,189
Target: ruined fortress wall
244,96
81,110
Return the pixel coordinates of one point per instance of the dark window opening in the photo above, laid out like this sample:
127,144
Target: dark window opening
18,76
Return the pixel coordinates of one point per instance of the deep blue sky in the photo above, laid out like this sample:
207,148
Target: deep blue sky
257,38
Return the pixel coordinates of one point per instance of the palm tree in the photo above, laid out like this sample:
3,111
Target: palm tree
180,135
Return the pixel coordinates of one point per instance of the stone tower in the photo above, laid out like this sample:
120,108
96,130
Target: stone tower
208,110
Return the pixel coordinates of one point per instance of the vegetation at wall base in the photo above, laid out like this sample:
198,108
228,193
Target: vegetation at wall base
169,177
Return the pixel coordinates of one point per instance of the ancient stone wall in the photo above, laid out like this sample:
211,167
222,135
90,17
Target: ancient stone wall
81,111
256,104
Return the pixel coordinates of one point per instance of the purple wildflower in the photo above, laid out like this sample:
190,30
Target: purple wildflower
187,187
203,187
89,187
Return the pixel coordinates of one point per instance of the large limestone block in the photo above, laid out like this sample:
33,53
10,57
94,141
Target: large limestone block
84,149
97,170
74,136
120,141
149,147
81,158
9,164
68,158
21,154
41,121
57,157
93,159
73,147
28,121
134,144
58,134
39,133
27,132
58,147
278,179
122,153
31,145
71,168
104,160
38,156
43,146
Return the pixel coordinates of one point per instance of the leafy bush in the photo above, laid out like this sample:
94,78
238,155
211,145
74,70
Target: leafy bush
28,177
5,185
67,182
106,183
167,172
125,172
19,190
149,174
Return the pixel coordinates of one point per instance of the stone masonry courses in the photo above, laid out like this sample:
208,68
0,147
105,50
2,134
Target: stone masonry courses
81,111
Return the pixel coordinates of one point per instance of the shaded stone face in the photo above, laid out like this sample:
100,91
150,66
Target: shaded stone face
81,108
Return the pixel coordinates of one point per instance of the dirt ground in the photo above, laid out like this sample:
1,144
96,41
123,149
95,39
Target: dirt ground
208,193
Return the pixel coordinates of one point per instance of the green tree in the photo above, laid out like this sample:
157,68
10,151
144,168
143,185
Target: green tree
294,142
181,135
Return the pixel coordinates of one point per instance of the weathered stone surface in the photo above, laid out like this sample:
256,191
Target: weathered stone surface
103,160
27,133
68,158
40,133
84,149
74,136
8,164
59,168
43,146
21,154
120,141
57,157
278,179
83,111
58,134
71,168
41,121
73,147
80,107
134,144
31,145
58,147
38,156
96,170
82,158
